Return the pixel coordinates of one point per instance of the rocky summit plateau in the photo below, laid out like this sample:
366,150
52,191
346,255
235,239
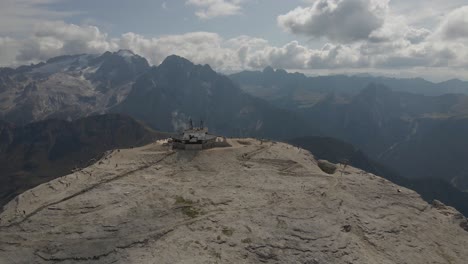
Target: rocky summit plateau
253,202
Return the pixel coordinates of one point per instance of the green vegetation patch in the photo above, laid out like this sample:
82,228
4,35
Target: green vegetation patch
181,200
190,211
327,166
187,208
228,231
246,240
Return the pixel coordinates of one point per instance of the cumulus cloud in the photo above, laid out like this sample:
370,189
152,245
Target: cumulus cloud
337,56
243,52
455,24
368,34
396,29
58,38
8,51
17,16
336,20
425,11
200,47
394,46
207,9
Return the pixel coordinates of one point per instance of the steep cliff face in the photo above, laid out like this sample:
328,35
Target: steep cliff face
253,202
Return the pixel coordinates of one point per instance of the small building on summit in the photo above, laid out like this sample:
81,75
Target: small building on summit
197,138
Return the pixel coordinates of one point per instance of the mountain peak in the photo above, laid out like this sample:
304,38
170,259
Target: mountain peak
453,81
63,58
281,71
272,72
175,60
268,70
125,53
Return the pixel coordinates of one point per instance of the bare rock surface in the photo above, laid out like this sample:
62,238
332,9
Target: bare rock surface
68,87
262,202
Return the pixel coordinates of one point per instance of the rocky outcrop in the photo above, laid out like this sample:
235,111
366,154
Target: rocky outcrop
261,202
327,166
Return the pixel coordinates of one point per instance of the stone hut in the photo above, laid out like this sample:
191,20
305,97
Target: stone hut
197,138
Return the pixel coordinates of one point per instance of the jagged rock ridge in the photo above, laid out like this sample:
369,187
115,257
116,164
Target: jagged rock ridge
169,94
68,87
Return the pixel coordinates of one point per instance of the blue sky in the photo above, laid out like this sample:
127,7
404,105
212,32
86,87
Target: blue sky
418,38
156,17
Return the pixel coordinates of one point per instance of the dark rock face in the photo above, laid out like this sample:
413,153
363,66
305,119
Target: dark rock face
6,135
39,152
346,228
378,120
115,69
327,166
168,95
438,149
464,225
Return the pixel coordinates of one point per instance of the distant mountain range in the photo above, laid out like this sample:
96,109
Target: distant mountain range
68,86
412,126
296,90
39,152
168,95
165,97
394,121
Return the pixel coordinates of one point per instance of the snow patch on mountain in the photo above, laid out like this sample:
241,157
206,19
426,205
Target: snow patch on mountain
126,54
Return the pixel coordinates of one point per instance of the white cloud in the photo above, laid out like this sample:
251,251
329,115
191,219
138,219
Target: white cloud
374,37
396,29
200,47
58,38
239,53
337,56
17,16
8,51
207,9
428,12
336,20
455,25
243,52
395,46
